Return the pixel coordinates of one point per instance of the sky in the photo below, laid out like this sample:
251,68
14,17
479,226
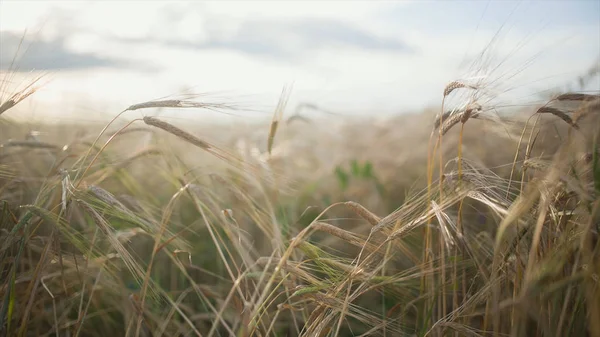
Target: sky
348,57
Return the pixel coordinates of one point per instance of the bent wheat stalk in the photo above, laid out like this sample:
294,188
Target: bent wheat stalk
586,108
364,213
188,137
450,87
576,97
147,105
558,113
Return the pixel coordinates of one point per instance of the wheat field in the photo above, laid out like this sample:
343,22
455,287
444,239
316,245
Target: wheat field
455,221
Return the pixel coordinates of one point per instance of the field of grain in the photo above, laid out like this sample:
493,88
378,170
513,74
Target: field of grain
470,222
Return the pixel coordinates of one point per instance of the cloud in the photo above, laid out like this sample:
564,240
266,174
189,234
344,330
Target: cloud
50,55
285,39
314,34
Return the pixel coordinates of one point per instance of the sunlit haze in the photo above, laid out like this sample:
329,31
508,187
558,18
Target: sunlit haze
349,57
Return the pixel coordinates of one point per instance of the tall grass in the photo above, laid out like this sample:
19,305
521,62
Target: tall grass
303,231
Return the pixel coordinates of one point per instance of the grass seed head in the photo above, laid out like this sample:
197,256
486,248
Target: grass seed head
170,128
456,85
558,113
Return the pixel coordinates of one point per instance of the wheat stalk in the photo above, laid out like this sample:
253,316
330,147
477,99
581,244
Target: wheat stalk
124,254
177,103
456,85
347,236
33,144
535,164
108,198
188,137
472,110
363,212
170,128
19,96
558,113
586,108
577,97
277,115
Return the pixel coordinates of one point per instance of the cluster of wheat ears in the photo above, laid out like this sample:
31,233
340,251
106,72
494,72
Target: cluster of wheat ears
97,240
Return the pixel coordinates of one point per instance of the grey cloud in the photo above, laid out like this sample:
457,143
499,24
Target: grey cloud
318,33
280,37
48,55
277,38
